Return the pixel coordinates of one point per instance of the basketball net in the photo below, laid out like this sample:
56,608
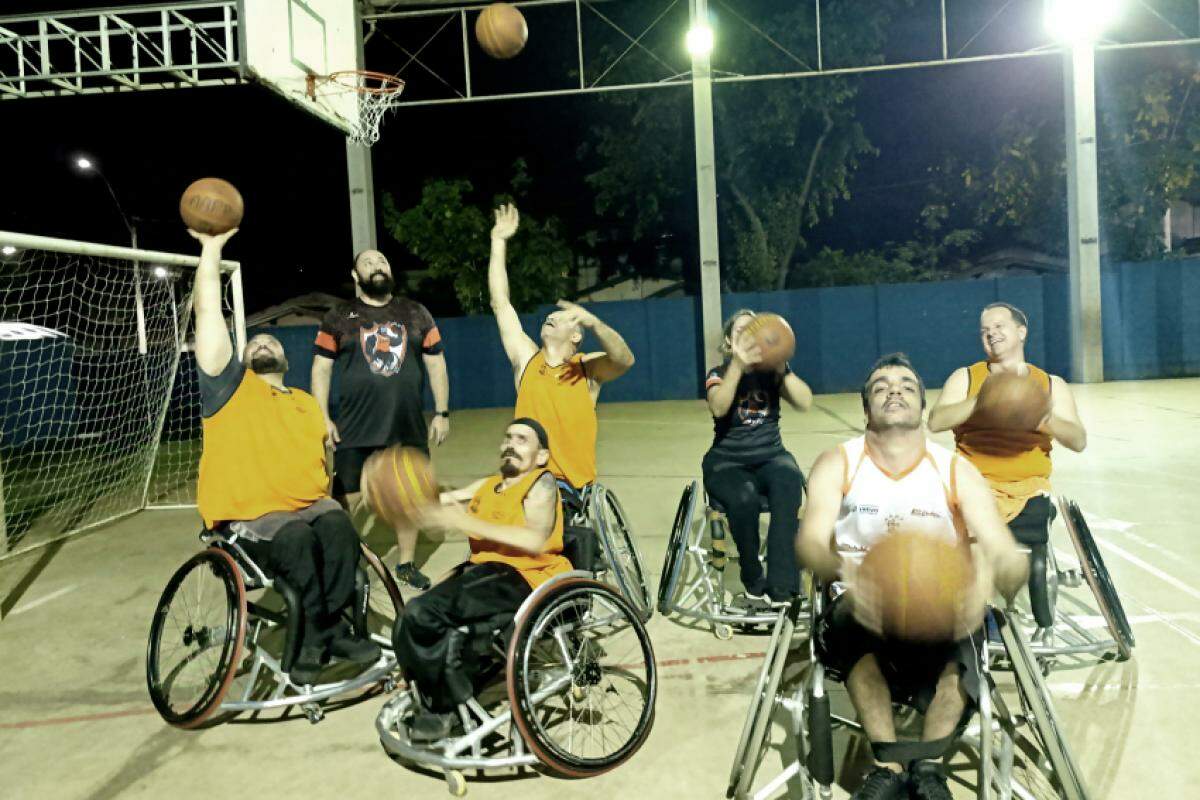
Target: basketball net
377,94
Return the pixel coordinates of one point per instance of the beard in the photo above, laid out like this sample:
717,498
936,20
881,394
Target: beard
264,363
509,468
377,286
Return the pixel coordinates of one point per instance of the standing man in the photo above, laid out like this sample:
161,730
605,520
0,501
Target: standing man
556,384
1015,463
892,478
373,341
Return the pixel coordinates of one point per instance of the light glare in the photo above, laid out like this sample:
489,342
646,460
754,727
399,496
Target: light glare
1080,21
699,40
160,272
83,163
8,250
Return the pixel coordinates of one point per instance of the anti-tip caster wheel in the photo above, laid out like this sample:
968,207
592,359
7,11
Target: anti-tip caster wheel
723,632
314,712
456,783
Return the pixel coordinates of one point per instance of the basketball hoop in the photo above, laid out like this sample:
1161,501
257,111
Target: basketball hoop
377,94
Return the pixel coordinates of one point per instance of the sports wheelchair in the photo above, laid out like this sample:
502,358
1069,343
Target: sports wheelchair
214,651
692,585
568,686
1017,751
617,558
1066,638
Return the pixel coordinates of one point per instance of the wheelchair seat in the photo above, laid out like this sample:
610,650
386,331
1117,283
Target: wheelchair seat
764,504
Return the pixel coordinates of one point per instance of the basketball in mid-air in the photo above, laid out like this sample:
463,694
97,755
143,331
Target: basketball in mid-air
1012,402
774,338
398,481
917,587
501,30
211,205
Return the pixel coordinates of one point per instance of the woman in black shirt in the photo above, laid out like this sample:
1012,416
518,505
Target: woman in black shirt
748,460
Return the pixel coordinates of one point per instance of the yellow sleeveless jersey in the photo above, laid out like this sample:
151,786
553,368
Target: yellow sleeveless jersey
1015,463
558,398
264,451
507,508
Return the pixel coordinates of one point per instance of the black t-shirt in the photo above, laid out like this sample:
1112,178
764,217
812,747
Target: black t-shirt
381,377
749,431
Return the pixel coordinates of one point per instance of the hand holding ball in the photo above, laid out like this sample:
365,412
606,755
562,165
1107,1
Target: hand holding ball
211,206
1012,402
771,335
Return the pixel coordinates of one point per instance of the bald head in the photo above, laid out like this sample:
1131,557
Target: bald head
373,274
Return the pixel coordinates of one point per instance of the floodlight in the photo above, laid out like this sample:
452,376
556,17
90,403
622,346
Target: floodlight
8,250
161,272
1080,21
83,163
699,40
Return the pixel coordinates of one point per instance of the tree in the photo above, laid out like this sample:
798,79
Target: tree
449,231
786,150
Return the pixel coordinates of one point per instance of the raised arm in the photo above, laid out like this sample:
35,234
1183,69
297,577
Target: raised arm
517,345
213,348
1009,566
1063,423
814,544
721,390
953,407
615,358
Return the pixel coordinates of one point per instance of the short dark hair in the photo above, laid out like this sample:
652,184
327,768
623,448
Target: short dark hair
1017,314
891,360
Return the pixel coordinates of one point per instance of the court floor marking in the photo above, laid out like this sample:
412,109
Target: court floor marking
32,604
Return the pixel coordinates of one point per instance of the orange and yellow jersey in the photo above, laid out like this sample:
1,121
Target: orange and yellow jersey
506,507
264,451
1015,463
559,398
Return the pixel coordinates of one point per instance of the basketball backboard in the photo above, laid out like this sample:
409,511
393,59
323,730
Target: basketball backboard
285,41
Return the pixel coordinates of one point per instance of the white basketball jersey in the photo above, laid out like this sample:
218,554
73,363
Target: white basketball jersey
876,503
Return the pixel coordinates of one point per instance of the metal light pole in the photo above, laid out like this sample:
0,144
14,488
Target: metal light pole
699,44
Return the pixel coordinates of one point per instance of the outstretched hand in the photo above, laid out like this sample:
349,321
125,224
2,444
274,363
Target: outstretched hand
207,239
577,315
507,222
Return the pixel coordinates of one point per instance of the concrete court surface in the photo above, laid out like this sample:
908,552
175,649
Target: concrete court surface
75,720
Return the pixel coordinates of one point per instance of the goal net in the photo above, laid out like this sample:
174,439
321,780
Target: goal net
90,373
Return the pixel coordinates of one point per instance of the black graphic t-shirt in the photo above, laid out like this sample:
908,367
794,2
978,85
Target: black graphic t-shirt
381,376
749,431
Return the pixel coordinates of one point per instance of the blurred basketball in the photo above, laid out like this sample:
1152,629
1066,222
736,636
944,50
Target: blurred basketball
211,205
501,30
774,338
396,482
918,587
1012,402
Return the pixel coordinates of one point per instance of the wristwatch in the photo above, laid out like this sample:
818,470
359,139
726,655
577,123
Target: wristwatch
445,414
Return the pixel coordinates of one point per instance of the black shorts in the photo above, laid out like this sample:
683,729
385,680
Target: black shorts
911,669
348,465
1032,525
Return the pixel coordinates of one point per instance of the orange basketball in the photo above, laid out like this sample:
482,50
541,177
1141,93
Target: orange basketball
1012,402
774,338
211,205
917,587
501,30
396,482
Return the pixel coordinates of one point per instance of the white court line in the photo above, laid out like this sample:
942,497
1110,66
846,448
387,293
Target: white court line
32,604
1153,570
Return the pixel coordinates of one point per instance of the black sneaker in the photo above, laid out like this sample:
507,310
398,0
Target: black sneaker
427,726
308,665
354,648
882,784
929,782
408,574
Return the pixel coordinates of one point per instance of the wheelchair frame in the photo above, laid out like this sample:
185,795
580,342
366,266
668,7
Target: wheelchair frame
518,747
690,586
250,620
993,731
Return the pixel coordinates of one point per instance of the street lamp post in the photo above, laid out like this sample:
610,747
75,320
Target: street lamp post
1077,23
699,45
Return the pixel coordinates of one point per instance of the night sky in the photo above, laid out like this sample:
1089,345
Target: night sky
290,167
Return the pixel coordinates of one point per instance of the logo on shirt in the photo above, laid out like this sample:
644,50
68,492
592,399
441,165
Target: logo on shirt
920,512
383,346
753,408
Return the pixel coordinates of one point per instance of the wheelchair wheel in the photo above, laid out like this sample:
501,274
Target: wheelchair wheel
384,603
762,703
1097,577
620,551
677,546
581,679
196,638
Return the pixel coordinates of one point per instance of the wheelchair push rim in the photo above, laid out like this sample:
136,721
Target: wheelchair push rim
620,549
197,633
677,546
385,604
582,702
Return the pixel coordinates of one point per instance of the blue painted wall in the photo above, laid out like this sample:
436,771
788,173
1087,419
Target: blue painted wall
1151,330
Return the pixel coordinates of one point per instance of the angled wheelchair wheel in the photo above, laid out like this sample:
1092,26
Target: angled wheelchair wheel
762,703
384,605
196,638
1039,709
581,679
621,552
1096,574
677,546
